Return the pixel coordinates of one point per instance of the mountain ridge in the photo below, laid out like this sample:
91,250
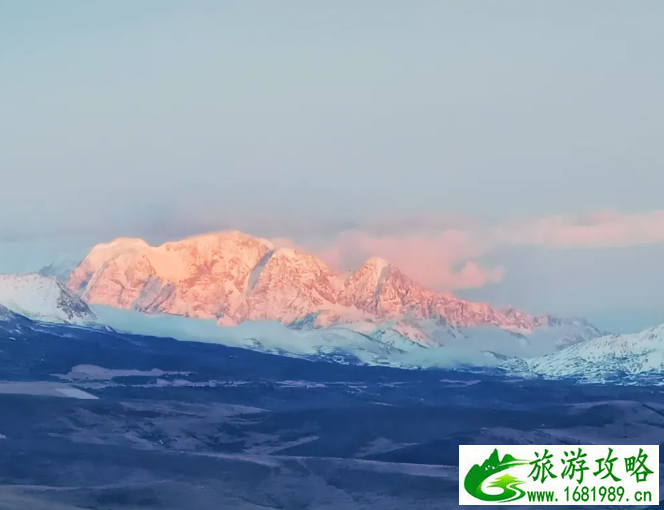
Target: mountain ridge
234,277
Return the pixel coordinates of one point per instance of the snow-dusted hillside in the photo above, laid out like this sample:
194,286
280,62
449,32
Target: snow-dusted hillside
43,298
389,343
601,359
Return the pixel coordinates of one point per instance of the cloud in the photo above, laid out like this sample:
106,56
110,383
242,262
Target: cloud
606,229
440,251
443,261
446,252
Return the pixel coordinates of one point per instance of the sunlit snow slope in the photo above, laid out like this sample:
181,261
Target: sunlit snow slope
43,298
601,359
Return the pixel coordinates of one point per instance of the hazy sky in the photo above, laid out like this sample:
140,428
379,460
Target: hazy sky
325,121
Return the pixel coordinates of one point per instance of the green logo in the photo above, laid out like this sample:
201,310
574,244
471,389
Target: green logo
477,475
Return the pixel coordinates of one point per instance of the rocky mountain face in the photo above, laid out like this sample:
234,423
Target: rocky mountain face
234,277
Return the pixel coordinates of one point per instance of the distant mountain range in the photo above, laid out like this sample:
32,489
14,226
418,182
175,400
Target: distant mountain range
238,290
233,277
27,302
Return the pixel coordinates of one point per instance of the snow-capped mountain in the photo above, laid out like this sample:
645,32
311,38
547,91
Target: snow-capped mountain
600,359
232,277
43,298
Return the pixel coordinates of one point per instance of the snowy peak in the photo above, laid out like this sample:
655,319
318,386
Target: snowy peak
379,288
42,298
376,264
204,276
175,261
289,285
372,273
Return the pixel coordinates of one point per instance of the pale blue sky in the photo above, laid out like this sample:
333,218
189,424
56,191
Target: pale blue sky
163,117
